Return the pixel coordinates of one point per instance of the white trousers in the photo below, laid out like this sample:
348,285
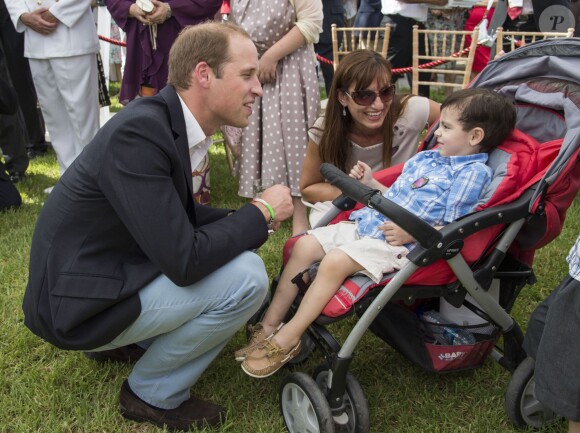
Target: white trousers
67,89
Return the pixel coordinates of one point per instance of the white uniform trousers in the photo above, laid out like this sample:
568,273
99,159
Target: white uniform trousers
67,89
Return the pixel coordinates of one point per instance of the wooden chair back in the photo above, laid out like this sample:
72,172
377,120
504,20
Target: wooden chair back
518,39
441,45
348,39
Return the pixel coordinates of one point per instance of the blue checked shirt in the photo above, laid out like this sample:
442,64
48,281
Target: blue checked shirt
573,260
438,189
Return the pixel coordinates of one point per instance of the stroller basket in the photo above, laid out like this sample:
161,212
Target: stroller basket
420,340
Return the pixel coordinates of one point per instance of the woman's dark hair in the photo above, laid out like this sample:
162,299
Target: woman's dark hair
361,67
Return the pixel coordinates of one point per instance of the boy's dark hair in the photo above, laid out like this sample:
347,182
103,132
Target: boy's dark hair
484,108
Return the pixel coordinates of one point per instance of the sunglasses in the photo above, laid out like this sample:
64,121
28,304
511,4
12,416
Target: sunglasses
367,97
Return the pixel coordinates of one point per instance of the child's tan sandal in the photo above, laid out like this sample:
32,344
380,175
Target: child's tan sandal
257,335
267,358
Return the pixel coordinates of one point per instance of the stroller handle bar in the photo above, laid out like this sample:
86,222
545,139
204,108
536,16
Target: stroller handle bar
425,235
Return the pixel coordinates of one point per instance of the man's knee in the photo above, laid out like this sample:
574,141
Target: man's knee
252,272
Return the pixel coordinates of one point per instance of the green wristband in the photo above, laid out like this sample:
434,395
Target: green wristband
270,210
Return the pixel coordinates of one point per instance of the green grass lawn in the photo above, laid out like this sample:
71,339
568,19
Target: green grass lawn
44,389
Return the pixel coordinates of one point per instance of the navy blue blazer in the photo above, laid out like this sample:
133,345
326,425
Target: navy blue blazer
121,215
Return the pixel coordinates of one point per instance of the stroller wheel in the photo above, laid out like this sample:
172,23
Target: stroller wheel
304,406
356,419
521,405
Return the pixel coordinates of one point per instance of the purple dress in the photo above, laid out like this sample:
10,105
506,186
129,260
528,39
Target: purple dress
145,65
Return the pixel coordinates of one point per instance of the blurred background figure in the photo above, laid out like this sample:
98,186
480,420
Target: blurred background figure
60,42
274,144
9,195
333,11
402,16
149,38
13,136
115,55
25,128
445,18
475,17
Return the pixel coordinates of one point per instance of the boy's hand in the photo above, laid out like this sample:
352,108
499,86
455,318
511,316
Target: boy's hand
395,235
362,172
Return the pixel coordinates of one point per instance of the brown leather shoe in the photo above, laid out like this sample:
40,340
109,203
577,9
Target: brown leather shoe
193,412
126,354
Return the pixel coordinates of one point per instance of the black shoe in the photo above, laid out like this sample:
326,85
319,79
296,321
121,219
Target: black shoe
126,355
192,412
17,176
38,149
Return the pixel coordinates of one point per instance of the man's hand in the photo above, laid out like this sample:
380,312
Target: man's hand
48,16
138,13
395,235
278,196
36,21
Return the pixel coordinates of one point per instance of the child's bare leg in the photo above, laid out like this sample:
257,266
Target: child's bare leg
573,426
307,251
335,267
299,217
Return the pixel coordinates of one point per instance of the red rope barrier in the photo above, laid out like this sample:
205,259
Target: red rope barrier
112,41
323,60
408,68
431,64
330,62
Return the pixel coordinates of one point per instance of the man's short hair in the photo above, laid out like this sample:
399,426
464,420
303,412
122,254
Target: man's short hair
206,42
494,113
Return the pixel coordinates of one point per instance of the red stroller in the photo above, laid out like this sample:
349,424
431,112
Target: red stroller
536,177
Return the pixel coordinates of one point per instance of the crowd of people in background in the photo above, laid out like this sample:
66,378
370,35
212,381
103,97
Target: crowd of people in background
49,88
270,151
149,28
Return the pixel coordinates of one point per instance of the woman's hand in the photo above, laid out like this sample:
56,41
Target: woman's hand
267,72
138,13
160,14
395,235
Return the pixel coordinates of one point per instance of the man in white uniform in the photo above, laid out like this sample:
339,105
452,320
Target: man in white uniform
60,41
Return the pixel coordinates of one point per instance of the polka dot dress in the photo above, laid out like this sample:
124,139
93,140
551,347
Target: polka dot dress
274,144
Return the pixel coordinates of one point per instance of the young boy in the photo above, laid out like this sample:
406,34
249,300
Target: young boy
438,186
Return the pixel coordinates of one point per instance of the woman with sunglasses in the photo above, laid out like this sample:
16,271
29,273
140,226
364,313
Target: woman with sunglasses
365,121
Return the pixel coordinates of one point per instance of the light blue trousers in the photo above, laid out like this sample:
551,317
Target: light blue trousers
185,328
